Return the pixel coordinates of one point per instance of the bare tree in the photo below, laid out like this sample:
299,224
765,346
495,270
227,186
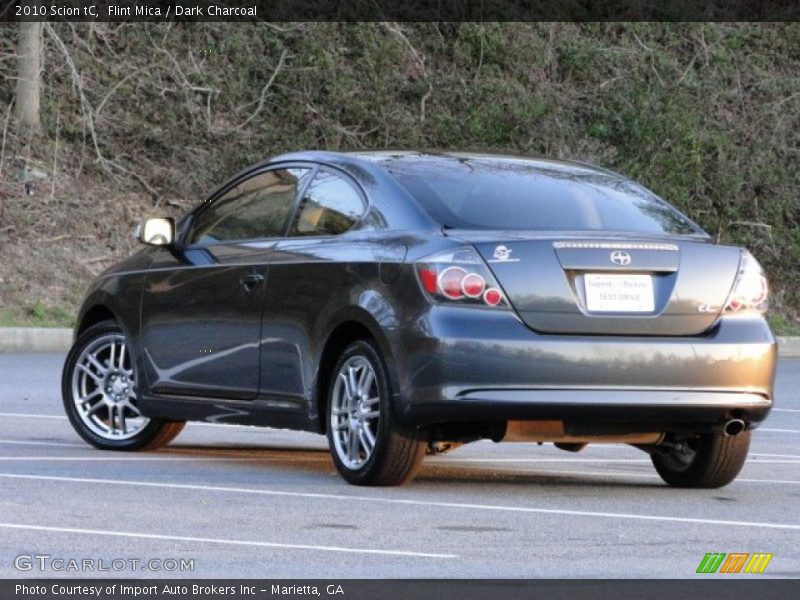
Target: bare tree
29,67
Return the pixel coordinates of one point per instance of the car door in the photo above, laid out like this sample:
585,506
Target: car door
307,271
202,302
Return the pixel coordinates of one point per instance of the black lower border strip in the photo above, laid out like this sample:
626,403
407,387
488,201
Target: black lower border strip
725,587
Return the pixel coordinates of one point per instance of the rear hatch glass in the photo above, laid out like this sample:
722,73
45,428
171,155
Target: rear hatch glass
533,195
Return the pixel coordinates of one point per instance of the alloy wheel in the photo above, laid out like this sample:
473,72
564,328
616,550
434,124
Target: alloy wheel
355,412
104,389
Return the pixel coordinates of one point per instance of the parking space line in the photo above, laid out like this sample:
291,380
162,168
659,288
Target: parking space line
791,410
594,448
232,453
438,461
797,456
64,417
623,474
31,416
115,457
182,538
407,502
34,443
778,430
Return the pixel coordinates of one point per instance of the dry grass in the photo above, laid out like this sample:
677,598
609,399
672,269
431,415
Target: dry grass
52,245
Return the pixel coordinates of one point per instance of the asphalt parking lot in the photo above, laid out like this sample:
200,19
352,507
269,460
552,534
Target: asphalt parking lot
246,502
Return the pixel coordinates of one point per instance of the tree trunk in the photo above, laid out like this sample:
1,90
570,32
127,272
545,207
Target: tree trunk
29,66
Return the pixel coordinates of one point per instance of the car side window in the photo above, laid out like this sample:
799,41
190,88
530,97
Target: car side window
255,208
330,206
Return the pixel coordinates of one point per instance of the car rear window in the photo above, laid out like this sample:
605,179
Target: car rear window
512,194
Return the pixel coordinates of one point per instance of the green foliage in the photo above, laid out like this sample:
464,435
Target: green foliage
40,314
781,325
706,115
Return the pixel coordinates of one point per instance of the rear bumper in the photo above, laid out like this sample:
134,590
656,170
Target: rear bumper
597,412
480,365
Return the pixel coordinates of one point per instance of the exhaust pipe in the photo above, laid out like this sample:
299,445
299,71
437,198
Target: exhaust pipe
733,427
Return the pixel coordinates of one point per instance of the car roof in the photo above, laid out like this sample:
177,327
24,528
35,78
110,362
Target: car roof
382,159
400,209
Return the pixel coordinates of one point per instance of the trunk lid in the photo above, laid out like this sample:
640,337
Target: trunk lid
627,285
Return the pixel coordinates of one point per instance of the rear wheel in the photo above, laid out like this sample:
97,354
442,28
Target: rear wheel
369,446
703,461
98,386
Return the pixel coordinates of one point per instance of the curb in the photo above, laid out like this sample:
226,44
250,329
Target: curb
788,346
40,339
34,339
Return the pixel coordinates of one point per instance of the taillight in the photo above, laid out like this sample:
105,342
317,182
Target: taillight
750,292
460,276
473,285
449,282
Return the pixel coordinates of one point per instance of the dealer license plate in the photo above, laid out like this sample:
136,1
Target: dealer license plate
607,292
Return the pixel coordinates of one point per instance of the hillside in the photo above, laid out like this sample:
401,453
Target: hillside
146,118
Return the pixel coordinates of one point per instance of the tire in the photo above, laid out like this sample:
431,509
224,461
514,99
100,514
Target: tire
396,451
709,461
100,369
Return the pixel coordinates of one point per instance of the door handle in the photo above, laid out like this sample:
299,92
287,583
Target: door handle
250,281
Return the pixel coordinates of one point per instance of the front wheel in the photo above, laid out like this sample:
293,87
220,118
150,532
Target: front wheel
98,386
369,446
703,461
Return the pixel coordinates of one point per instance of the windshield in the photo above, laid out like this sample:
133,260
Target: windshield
519,195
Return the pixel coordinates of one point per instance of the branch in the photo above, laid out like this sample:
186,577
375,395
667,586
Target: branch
86,107
264,91
420,60
423,101
141,180
115,87
5,131
88,112
752,224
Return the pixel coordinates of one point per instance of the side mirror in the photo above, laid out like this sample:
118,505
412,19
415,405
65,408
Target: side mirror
156,232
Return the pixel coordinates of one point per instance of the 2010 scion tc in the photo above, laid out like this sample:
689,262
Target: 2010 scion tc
403,302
